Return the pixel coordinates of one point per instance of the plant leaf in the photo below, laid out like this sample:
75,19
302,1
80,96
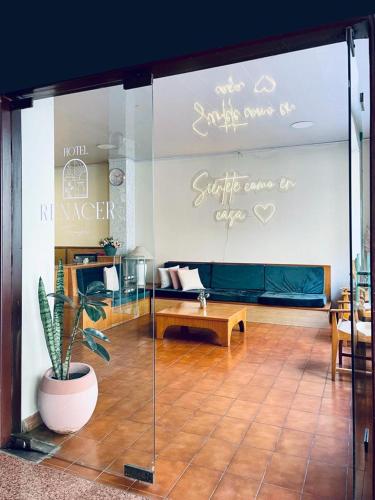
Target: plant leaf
95,287
48,328
62,298
58,316
94,312
99,350
103,353
93,332
91,343
97,303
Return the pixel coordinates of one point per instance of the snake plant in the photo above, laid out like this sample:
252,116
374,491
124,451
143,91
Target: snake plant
53,322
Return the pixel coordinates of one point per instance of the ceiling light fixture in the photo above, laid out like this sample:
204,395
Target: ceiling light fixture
106,146
302,124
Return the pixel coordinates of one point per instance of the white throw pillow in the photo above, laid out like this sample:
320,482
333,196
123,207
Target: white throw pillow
165,276
111,279
189,279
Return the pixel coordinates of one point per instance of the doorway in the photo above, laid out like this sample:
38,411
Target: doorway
226,84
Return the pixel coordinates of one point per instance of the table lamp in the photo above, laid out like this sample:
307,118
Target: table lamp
143,255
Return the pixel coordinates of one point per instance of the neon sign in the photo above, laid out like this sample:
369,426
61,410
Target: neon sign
264,212
265,84
230,87
229,117
225,188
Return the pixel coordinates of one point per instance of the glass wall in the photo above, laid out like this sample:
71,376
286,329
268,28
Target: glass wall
88,234
359,112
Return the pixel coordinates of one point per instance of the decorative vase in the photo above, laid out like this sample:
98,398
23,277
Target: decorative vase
65,406
110,250
203,303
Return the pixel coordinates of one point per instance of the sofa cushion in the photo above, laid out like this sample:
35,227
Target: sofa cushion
204,270
171,293
226,295
223,295
189,279
165,276
293,299
87,275
238,276
294,279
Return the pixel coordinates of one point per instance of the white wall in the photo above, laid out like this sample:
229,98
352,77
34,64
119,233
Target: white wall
37,242
309,226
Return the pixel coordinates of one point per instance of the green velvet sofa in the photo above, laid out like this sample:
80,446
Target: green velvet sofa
267,284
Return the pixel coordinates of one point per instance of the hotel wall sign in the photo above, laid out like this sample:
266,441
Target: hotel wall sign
75,180
225,189
72,151
75,174
80,211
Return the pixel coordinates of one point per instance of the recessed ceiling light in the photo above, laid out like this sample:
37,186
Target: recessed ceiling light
106,146
302,124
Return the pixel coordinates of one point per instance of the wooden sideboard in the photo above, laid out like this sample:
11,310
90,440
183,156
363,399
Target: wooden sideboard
115,315
66,254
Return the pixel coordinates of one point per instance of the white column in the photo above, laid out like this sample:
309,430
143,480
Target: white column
122,226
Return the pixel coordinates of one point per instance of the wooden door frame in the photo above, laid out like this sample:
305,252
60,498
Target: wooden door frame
6,334
10,177
10,269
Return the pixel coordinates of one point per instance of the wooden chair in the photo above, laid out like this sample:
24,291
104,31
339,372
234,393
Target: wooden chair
341,332
364,311
364,306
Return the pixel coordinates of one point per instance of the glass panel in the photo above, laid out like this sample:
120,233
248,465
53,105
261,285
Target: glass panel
359,107
95,212
251,166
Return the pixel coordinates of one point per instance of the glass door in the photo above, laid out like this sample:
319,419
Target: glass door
359,160
90,220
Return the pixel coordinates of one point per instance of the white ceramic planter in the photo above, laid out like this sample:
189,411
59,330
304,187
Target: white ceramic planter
67,405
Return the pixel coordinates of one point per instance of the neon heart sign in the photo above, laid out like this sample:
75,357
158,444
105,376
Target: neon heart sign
264,212
265,84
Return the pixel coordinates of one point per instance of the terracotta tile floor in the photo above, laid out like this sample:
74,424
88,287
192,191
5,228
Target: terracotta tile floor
261,419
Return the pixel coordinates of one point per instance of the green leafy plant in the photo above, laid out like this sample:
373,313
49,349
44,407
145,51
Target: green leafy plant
53,322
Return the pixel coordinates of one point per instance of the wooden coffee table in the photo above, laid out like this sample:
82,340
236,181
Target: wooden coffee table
221,318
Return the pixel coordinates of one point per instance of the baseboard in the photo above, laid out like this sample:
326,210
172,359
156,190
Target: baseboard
288,316
30,423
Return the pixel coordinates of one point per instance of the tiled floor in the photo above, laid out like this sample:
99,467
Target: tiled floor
261,419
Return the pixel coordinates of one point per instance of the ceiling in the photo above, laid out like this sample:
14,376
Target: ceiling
238,107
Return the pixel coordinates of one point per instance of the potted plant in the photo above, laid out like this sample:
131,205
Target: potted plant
110,245
68,391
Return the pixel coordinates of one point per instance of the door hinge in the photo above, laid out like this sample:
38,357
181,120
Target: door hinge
366,437
362,100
